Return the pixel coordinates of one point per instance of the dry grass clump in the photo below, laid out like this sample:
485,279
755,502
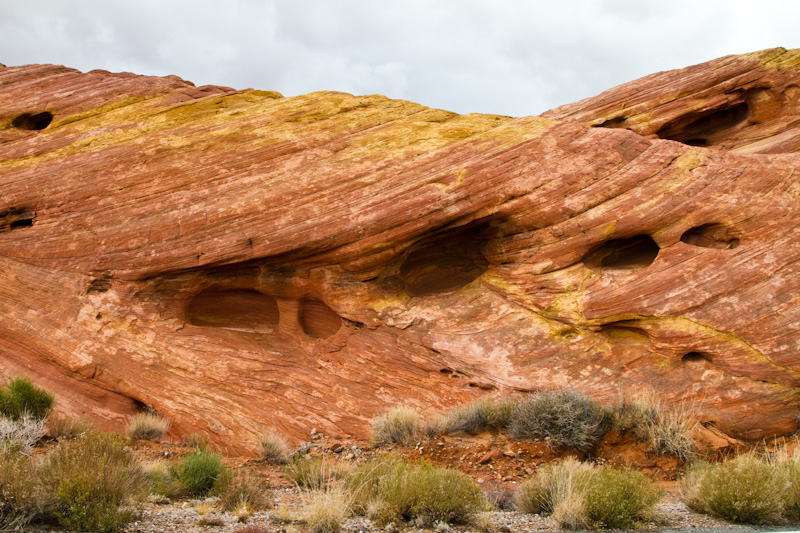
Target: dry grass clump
147,426
327,511
21,434
211,521
242,492
273,448
578,495
69,427
197,440
315,473
92,483
668,429
19,490
397,490
478,416
568,418
746,489
399,424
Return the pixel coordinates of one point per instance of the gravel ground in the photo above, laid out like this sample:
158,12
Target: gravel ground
182,517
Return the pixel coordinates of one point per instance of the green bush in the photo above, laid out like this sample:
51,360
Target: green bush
20,397
620,499
417,491
746,489
400,424
198,471
91,482
19,490
568,418
579,495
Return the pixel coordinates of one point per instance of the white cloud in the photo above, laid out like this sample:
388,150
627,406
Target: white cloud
511,57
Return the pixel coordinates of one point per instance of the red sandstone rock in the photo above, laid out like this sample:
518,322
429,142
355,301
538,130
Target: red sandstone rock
239,260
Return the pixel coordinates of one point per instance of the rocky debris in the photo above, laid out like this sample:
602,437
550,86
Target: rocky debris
237,260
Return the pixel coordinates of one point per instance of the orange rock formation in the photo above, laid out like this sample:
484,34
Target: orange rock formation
239,260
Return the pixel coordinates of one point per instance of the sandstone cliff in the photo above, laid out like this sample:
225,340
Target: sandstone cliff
238,259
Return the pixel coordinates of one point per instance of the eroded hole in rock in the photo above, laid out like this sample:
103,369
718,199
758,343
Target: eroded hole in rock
239,309
446,371
317,319
619,122
695,357
700,130
623,254
711,236
33,121
621,332
445,263
14,218
99,285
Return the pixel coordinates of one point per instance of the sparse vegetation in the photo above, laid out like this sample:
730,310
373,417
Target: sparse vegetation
667,429
579,495
400,425
568,418
91,483
160,481
147,426
21,434
20,398
198,471
398,490
315,473
486,413
68,427
19,488
240,490
327,511
273,448
746,489
198,441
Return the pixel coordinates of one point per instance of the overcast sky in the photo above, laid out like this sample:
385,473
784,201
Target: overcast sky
510,57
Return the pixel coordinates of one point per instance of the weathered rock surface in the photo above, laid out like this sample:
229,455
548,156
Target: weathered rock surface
239,260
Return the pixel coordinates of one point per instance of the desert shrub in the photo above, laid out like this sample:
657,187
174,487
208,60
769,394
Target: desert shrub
480,415
147,426
159,480
552,485
746,489
20,434
363,483
198,441
237,490
314,473
417,491
273,448
18,491
578,495
327,511
620,499
788,464
667,429
91,482
252,528
198,471
400,425
567,417
20,397
68,427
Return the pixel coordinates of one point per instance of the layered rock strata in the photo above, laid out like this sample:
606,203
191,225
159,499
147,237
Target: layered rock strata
238,260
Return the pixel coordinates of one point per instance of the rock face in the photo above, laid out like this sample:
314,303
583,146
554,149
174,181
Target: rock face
240,260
